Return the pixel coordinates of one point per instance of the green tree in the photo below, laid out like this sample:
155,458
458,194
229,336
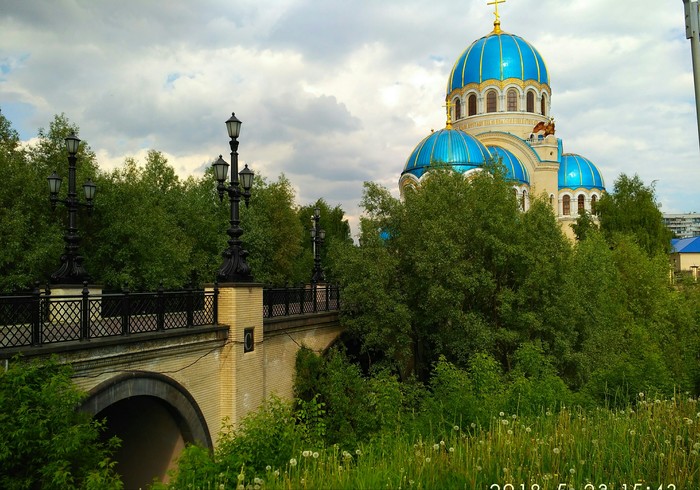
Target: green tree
455,269
583,225
272,233
32,234
631,209
45,442
333,222
140,237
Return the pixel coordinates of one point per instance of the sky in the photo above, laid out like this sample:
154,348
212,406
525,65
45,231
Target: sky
333,93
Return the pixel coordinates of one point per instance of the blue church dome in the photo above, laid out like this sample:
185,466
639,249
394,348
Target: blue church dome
451,147
498,56
515,170
577,172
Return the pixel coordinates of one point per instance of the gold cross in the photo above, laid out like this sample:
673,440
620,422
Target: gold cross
449,106
497,22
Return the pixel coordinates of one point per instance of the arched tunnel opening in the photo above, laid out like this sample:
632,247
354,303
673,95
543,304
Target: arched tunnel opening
154,417
151,439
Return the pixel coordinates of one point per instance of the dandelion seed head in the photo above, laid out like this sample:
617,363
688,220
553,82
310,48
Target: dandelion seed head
358,452
241,477
451,449
293,462
442,443
427,460
501,414
528,429
455,428
268,468
504,422
277,472
315,455
556,450
306,454
572,470
473,425
632,432
257,481
478,468
222,486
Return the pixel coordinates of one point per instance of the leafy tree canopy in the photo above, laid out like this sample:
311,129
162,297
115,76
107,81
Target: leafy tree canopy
631,209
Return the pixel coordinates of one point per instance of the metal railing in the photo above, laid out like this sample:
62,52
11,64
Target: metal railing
300,300
38,318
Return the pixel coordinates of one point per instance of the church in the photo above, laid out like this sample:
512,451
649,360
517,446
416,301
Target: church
498,102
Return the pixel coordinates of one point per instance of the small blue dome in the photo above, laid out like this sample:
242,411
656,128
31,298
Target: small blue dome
451,147
515,171
577,172
498,56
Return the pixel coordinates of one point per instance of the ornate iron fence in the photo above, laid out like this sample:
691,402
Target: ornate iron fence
38,318
300,300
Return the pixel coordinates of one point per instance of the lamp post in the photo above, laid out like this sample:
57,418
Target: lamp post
692,32
71,270
235,268
318,235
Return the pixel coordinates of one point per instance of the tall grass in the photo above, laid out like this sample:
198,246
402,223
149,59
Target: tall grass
652,443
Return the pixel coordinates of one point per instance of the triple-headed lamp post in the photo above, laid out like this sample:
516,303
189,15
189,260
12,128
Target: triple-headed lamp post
235,268
318,235
71,270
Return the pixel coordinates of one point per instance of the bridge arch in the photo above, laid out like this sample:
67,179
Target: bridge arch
154,415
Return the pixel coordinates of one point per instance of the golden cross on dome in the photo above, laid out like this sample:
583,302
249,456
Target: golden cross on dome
449,105
497,22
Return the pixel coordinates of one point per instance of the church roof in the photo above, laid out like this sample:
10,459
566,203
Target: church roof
451,147
577,172
515,170
498,56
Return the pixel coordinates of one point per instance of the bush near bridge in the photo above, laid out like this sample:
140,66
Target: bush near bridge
44,442
467,429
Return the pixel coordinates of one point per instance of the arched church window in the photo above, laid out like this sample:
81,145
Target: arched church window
512,100
458,109
566,206
581,204
523,200
543,105
491,101
531,101
594,201
471,103
551,199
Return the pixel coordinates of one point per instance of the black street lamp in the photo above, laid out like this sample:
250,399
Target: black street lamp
71,270
234,268
318,235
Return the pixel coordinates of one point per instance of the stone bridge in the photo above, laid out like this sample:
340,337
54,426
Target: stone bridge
161,388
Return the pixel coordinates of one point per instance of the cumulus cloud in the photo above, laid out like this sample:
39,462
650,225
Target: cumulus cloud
334,93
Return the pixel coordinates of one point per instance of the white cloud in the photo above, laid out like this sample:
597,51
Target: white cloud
333,93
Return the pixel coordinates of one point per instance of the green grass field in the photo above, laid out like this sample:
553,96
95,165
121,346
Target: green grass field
654,445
